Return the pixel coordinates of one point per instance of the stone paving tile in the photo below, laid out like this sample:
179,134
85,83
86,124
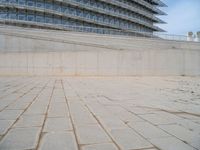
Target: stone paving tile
30,121
18,105
140,111
10,114
112,122
57,125
5,125
159,118
58,109
190,125
123,114
37,108
58,141
185,135
148,130
189,116
80,114
99,113
170,143
98,110
58,99
91,134
127,139
21,138
104,146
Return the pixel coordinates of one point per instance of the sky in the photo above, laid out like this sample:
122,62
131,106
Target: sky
182,16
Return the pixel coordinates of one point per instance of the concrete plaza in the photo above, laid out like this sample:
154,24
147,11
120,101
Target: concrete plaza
100,113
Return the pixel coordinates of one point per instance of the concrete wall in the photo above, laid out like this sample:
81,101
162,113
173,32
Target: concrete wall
33,52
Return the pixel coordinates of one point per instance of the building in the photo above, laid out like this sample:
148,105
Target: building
100,16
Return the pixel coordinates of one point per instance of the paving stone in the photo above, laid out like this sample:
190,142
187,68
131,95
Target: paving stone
83,119
190,117
5,125
18,105
80,115
58,109
123,114
57,124
58,99
189,125
25,99
91,134
112,122
170,143
37,108
58,141
160,118
180,132
20,138
10,114
106,146
131,110
148,130
140,111
5,102
98,110
128,139
30,121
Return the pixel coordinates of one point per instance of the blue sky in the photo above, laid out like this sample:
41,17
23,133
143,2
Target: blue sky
183,16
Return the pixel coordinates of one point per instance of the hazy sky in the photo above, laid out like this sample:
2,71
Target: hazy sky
183,16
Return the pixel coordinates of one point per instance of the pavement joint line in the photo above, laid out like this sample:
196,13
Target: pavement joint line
16,89
103,128
18,98
136,132
118,118
70,116
21,114
46,113
162,130
7,85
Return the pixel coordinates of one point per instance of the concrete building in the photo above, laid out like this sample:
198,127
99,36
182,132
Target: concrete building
99,16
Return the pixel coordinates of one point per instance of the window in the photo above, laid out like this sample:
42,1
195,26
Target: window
13,14
57,7
39,17
22,2
13,1
40,4
3,13
31,3
48,19
30,16
22,15
48,5
3,1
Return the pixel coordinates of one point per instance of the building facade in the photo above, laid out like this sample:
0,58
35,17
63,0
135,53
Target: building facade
100,16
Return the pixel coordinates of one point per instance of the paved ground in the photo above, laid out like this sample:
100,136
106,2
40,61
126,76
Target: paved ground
135,113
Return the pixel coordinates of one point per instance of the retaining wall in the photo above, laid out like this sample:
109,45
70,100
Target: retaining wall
42,52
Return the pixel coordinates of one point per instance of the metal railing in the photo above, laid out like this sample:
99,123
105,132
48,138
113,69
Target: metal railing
160,3
93,30
89,7
147,5
75,16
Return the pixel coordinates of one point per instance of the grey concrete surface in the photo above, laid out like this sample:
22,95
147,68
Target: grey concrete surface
100,113
42,52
